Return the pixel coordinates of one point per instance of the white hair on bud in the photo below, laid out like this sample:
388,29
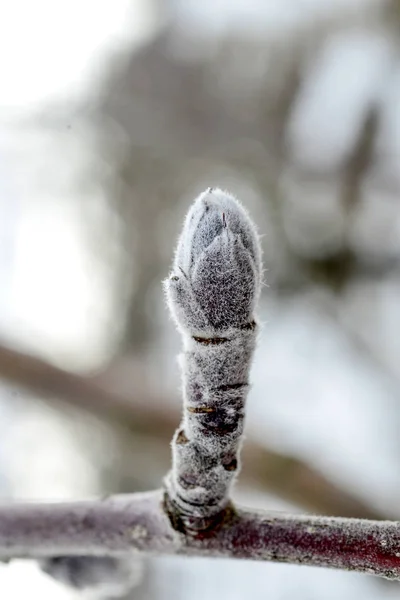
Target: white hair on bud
212,294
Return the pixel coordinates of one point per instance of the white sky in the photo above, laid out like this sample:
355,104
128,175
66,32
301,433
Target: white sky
53,48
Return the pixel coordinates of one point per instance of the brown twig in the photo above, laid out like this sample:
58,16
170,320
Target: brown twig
140,523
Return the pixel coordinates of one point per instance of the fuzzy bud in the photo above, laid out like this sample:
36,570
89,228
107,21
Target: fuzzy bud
216,276
212,295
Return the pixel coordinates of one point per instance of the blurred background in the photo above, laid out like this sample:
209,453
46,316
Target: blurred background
114,115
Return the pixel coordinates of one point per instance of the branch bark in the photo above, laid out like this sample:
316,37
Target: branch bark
140,523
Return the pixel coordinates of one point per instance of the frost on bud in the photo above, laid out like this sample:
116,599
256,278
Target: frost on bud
216,276
212,294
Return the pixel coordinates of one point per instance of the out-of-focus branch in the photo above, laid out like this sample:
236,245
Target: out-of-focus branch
140,523
285,476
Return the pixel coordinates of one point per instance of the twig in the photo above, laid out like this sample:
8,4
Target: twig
213,305
139,523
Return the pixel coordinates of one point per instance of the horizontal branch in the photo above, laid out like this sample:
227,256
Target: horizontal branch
286,476
139,523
